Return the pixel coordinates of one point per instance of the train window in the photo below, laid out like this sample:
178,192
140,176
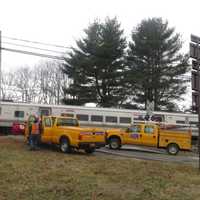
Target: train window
192,122
180,122
81,117
67,122
97,118
67,115
157,118
125,120
44,112
139,118
111,119
19,114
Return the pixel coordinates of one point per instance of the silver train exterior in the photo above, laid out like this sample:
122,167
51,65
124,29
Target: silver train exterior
91,116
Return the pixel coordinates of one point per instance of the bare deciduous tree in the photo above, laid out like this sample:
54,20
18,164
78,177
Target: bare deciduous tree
41,84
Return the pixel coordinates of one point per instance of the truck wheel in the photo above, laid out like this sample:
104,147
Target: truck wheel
89,150
65,146
172,149
114,143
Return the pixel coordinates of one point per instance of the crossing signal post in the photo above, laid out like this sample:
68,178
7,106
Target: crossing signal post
195,55
195,88
0,68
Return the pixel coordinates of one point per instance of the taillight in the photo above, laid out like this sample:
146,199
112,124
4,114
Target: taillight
106,134
80,137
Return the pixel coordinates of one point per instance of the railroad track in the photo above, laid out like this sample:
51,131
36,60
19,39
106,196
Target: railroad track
154,156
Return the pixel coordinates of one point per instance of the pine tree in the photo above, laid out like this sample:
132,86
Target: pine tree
97,66
156,65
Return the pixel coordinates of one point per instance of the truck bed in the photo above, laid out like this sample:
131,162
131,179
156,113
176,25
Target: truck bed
182,139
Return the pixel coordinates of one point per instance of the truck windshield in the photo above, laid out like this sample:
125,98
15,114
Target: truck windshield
67,122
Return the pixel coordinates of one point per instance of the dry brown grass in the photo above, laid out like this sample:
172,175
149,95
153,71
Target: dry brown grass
49,174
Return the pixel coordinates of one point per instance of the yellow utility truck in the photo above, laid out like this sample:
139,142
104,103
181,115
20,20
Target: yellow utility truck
65,132
149,135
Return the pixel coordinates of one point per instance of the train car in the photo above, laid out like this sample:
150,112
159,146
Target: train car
89,116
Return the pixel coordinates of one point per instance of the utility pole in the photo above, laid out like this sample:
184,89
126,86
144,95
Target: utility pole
195,54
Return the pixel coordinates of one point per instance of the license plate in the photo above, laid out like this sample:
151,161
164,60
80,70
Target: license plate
92,145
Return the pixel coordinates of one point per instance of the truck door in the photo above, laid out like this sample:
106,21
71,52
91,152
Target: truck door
149,135
46,135
133,134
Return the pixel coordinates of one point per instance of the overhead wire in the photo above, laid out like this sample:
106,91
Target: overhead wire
32,47
33,53
41,43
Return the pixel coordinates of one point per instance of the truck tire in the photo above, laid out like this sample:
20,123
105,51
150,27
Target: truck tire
172,149
114,143
89,150
65,145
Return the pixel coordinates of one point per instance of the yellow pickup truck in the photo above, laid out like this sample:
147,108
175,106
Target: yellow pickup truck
65,132
149,135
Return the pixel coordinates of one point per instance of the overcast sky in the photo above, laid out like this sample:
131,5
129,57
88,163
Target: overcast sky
62,21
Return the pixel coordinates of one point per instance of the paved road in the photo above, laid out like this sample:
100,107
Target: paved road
150,154
141,153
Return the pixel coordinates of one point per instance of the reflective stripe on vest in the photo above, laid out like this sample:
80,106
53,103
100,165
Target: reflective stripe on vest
35,128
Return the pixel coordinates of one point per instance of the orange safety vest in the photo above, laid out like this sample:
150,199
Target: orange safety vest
35,128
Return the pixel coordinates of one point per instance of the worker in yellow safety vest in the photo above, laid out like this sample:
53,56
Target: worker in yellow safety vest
35,134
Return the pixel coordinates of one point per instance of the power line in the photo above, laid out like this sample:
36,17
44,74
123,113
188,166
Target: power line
33,53
10,43
42,43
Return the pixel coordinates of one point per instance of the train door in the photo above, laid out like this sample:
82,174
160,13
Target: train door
45,111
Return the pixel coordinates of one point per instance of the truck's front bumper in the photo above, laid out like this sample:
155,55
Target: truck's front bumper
85,145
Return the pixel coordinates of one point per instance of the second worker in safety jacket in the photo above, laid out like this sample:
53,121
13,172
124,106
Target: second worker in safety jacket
35,134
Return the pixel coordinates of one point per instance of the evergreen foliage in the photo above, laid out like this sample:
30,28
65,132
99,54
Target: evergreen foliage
97,66
102,72
156,64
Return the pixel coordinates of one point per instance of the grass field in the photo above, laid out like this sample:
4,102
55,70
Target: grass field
49,174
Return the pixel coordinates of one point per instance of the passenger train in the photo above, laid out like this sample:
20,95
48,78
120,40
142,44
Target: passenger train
107,117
